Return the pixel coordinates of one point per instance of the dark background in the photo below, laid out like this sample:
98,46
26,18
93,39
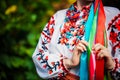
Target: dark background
113,3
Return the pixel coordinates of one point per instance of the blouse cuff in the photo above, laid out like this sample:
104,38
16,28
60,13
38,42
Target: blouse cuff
116,65
65,70
60,75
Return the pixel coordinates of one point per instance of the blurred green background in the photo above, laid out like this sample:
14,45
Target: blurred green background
21,22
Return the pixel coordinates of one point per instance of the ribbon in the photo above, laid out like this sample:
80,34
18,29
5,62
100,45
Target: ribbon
100,38
91,41
94,33
83,60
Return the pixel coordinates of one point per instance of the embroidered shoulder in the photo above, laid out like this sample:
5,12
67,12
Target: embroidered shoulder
110,13
117,17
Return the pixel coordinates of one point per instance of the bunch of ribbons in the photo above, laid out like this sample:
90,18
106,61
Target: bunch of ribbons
90,67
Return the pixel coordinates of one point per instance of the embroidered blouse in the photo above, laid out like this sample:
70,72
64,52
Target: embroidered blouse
58,38
114,44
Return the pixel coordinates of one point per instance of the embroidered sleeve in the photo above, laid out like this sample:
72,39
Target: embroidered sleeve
48,65
114,38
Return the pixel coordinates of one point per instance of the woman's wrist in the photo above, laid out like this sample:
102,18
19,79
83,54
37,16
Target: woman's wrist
67,63
110,64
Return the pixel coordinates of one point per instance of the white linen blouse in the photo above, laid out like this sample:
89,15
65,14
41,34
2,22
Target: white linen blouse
48,55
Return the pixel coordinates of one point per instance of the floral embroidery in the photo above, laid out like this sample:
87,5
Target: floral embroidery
114,38
43,58
48,31
117,25
53,66
73,28
115,34
113,20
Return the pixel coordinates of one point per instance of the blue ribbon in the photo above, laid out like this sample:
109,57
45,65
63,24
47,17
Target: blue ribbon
84,73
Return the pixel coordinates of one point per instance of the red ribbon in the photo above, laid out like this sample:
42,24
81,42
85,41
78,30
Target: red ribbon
100,38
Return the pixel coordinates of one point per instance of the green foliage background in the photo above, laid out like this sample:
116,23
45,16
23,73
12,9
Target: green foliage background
21,22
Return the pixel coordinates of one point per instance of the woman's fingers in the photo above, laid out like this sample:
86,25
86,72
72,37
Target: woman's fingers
101,54
101,51
81,46
84,42
98,47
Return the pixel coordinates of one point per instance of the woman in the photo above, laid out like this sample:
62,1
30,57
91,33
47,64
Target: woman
63,44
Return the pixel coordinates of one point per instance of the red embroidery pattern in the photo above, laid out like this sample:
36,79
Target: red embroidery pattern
49,29
42,57
115,33
73,28
114,37
112,21
53,66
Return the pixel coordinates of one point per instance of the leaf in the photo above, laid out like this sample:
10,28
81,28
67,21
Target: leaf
33,17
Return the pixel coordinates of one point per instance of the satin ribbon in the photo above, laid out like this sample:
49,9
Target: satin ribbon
94,33
85,55
100,38
92,64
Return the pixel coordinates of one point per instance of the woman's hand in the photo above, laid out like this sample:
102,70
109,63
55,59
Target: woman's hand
80,47
103,52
